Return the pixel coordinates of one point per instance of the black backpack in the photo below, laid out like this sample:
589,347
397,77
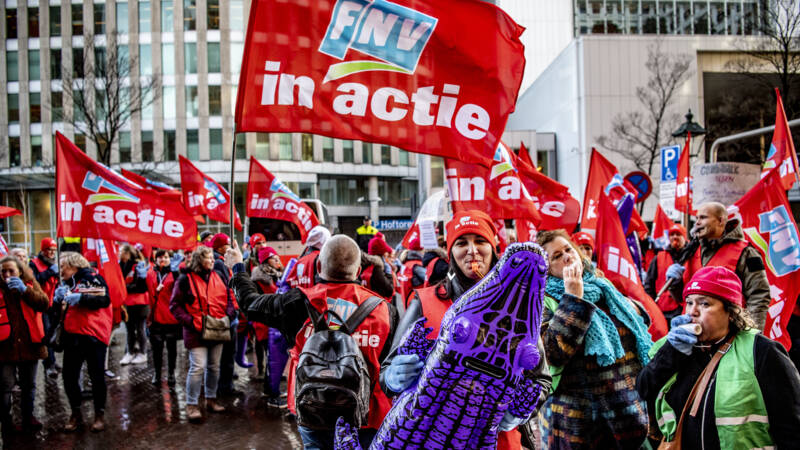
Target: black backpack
332,377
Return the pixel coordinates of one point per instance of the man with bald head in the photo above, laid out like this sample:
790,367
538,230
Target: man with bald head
722,243
337,288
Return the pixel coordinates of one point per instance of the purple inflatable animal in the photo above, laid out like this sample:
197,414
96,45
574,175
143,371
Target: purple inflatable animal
477,368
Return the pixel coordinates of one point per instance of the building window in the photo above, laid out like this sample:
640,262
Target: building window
125,146
168,102
11,23
214,101
192,102
55,21
12,66
77,112
77,62
213,57
100,60
13,108
366,153
386,154
145,59
167,18
237,15
307,145
147,146
262,146
240,140
33,22
122,17
57,105
77,19
14,156
99,18
215,144
193,145
55,63
402,157
342,190
327,149
285,146
144,17
36,107
347,151
169,145
213,14
717,15
36,150
168,59
237,51
33,65
190,57
189,15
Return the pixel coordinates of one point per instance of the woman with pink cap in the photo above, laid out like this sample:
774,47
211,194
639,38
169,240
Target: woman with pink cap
714,380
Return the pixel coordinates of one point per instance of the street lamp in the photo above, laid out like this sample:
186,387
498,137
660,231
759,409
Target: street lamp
689,126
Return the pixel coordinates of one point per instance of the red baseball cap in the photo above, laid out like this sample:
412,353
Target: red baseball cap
256,238
220,240
583,238
470,222
48,243
718,282
677,228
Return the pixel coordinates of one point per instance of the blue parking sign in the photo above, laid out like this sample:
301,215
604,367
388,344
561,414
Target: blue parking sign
669,162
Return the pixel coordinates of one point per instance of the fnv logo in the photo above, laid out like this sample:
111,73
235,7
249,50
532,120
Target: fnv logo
389,32
695,285
94,183
467,221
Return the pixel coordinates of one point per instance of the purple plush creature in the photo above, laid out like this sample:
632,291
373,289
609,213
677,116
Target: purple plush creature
478,367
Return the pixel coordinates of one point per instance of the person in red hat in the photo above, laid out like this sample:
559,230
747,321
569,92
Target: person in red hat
257,242
751,397
661,268
411,273
45,270
585,243
471,246
376,267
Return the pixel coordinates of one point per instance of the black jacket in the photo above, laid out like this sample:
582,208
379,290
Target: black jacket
777,379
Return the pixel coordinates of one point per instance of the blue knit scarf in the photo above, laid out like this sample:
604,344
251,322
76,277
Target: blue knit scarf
602,338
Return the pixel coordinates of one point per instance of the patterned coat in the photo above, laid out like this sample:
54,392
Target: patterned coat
592,406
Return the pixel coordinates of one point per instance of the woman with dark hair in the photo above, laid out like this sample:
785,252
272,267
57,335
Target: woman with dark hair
471,240
714,381
22,302
596,342
137,303
198,292
87,327
164,327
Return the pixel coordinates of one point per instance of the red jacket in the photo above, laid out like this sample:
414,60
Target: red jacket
135,298
727,256
93,316
159,299
212,298
666,301
33,319
49,287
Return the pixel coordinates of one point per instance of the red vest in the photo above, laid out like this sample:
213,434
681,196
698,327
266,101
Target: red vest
48,287
32,318
666,302
366,276
372,335
139,298
304,270
433,308
159,301
211,298
404,278
727,256
91,322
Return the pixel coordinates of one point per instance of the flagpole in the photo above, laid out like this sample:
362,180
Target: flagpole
58,247
232,216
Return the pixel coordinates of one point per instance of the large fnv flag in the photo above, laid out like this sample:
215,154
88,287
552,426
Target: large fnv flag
437,77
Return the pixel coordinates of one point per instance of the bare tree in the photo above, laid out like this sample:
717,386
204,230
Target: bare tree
105,93
774,57
637,136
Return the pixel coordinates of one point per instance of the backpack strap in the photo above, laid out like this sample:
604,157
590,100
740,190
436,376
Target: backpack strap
361,313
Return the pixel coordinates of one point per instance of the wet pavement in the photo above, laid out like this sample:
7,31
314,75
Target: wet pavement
141,415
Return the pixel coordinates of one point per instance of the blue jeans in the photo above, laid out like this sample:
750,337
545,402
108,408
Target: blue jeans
27,384
323,440
203,361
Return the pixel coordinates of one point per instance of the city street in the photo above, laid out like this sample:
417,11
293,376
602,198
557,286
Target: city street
140,415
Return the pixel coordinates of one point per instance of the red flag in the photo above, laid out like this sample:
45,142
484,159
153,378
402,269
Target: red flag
94,201
782,153
614,259
104,253
269,198
683,183
556,206
6,211
661,226
411,234
203,195
524,156
769,226
157,186
526,230
603,177
430,77
498,190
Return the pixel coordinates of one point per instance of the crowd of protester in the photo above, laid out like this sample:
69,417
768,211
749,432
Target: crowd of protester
714,381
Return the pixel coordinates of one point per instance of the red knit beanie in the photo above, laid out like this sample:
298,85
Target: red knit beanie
265,254
220,239
377,246
718,282
677,228
470,222
583,238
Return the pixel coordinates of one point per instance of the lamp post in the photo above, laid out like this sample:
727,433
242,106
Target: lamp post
683,131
